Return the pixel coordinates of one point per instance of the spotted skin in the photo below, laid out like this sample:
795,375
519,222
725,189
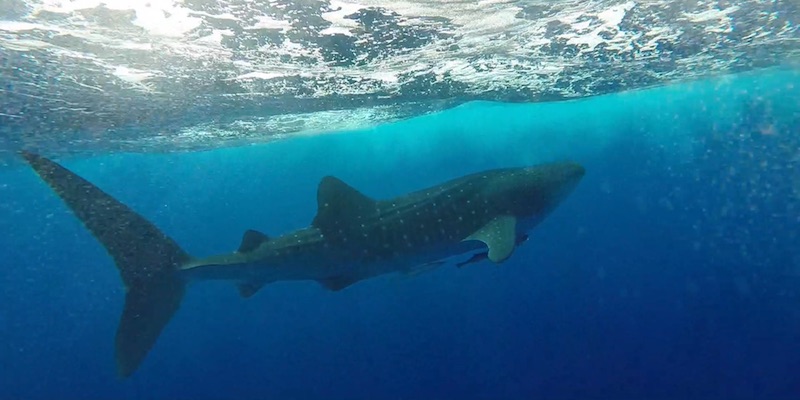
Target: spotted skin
352,238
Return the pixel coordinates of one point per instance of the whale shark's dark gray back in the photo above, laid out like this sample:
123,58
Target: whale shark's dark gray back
383,229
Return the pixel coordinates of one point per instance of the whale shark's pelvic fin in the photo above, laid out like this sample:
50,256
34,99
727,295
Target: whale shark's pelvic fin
248,289
146,258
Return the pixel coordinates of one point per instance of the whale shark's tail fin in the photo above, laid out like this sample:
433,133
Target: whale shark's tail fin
147,259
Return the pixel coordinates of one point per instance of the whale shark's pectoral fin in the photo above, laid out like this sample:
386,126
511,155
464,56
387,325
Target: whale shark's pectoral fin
251,240
340,207
500,235
476,258
338,283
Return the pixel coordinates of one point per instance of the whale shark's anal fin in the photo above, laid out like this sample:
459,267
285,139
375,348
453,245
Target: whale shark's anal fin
147,259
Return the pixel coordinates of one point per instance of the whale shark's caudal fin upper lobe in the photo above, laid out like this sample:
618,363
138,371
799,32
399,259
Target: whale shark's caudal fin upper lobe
147,259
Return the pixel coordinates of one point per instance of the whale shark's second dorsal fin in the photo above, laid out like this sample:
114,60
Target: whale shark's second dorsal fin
251,240
340,206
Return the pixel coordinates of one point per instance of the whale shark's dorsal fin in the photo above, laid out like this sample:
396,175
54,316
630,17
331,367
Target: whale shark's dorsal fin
251,240
499,235
339,206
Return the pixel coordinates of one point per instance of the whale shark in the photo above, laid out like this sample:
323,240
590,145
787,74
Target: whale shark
353,237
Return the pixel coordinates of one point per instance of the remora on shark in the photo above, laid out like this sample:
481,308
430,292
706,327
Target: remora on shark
352,237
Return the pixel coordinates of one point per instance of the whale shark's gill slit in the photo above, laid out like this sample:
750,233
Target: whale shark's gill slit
146,258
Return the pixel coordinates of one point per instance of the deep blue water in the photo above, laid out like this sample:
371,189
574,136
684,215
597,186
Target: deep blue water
673,271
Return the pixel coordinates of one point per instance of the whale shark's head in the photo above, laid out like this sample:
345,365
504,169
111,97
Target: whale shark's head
536,190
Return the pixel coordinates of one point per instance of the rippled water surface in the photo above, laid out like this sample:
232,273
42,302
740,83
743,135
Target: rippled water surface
91,75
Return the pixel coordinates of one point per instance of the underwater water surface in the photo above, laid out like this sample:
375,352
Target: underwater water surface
672,271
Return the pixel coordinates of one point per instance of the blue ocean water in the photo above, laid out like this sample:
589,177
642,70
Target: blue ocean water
673,271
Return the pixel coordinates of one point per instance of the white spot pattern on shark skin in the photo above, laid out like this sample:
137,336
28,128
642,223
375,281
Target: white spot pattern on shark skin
358,259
